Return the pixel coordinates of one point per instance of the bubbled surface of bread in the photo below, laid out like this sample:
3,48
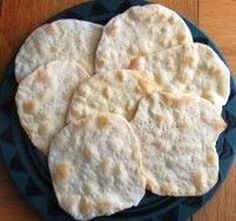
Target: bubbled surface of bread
60,40
96,166
42,100
192,68
117,92
139,30
178,134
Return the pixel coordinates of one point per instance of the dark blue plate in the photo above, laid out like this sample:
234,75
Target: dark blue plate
28,167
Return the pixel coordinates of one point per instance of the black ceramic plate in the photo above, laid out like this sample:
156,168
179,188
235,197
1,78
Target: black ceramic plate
28,167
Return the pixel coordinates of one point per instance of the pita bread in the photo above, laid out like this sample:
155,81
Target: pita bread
96,167
138,31
117,92
178,136
60,40
193,68
42,99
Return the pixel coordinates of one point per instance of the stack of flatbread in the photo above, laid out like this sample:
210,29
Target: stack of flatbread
118,109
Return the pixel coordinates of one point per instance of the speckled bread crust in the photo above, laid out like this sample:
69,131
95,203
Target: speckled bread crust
60,40
42,99
178,136
117,92
95,166
139,30
193,68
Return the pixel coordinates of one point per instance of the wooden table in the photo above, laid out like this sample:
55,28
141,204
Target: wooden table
19,17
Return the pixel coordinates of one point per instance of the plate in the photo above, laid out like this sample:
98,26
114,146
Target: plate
28,167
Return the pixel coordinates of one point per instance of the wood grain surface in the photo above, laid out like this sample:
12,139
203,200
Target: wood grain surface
218,19
19,17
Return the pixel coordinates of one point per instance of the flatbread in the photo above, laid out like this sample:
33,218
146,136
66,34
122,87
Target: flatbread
60,40
139,30
96,167
42,99
193,68
117,92
178,136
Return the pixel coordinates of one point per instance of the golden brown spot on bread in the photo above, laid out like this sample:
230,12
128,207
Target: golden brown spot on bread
216,72
82,123
51,29
100,63
103,121
134,64
30,107
111,29
177,101
130,112
159,79
144,86
120,76
66,96
151,184
181,38
107,93
162,16
160,119
61,172
86,207
182,78
209,95
44,77
88,154
163,30
171,20
104,205
220,125
198,180
169,62
166,188
44,128
221,89
140,15
211,158
209,54
137,89
182,123
105,164
148,18
188,60
150,98
81,91
161,145
118,170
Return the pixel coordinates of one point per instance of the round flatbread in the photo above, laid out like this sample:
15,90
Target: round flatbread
139,30
178,135
96,168
193,68
117,92
60,40
42,99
